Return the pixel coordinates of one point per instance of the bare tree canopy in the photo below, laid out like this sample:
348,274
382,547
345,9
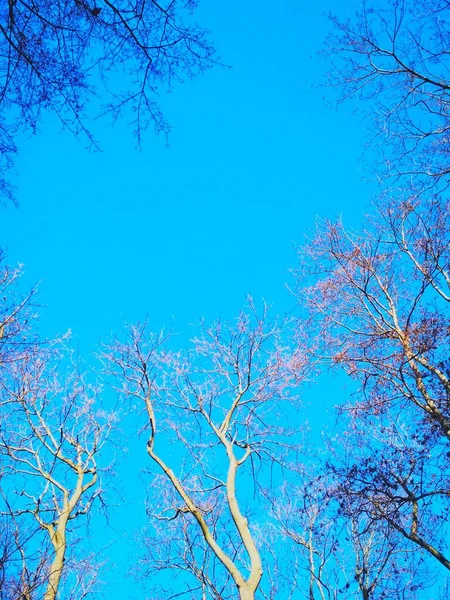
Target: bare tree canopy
218,417
334,552
247,492
17,337
52,430
379,306
58,56
51,433
393,60
380,297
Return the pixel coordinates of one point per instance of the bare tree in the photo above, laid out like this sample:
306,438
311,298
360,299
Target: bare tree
397,475
392,59
216,415
16,581
50,437
57,57
379,306
302,513
380,297
342,551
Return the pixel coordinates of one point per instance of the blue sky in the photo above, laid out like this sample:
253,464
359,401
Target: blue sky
188,231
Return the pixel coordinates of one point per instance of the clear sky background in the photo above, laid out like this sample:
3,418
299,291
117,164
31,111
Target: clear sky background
188,231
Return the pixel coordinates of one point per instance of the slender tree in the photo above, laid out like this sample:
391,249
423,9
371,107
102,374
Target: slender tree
343,552
217,416
50,437
16,578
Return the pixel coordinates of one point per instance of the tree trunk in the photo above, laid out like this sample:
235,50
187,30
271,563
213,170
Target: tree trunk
246,593
59,543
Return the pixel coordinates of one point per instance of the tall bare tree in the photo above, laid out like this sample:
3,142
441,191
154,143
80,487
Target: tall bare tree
379,306
217,415
50,437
